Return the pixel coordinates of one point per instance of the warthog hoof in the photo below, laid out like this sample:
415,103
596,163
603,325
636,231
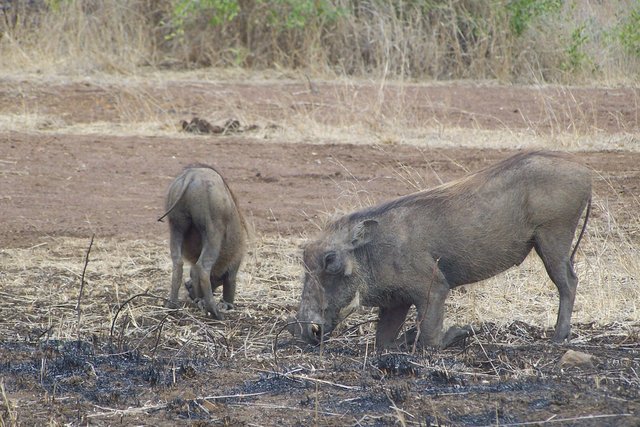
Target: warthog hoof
455,335
189,285
225,306
172,305
202,305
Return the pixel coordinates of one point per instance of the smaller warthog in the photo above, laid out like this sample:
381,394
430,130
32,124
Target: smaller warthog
206,228
414,249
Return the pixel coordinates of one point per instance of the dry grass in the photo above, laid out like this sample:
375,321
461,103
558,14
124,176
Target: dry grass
342,111
40,288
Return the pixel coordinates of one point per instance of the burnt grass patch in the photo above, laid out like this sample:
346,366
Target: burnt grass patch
103,375
503,375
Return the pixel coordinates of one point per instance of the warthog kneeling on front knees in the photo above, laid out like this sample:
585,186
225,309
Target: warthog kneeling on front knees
414,249
207,229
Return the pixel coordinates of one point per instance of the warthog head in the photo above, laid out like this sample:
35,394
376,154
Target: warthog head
333,281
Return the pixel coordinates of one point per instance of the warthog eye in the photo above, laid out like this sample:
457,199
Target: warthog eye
332,263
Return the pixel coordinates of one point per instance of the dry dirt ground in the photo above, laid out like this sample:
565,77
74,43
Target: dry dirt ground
122,359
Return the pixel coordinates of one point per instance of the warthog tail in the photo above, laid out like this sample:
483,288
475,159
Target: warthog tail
185,184
584,226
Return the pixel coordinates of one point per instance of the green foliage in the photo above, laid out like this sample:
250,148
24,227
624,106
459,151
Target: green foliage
629,33
220,12
297,14
56,5
576,57
281,14
549,39
522,12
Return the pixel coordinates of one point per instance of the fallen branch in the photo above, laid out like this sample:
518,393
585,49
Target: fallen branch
291,409
145,408
231,396
313,380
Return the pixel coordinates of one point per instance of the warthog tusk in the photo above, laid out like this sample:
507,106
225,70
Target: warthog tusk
351,307
315,328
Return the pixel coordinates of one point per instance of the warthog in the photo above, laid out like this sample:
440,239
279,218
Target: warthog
206,228
414,249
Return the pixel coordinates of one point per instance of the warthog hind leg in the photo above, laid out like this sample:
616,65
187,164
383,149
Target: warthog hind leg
176,239
229,287
554,247
456,334
208,257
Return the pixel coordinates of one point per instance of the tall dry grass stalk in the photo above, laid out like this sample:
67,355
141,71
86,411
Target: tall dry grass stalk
76,37
575,42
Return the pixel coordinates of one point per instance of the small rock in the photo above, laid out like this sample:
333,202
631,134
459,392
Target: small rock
578,359
198,125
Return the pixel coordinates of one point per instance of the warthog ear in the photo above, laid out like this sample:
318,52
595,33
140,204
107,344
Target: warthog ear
362,232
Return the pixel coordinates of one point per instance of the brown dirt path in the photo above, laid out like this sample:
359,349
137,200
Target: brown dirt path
541,109
114,186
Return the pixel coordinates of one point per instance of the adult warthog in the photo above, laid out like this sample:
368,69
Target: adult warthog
414,249
207,229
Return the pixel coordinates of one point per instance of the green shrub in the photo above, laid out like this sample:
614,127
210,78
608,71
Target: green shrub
576,57
522,12
629,33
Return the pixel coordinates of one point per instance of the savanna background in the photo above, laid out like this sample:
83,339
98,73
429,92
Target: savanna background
341,104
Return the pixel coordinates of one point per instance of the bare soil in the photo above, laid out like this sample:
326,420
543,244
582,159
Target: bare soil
55,185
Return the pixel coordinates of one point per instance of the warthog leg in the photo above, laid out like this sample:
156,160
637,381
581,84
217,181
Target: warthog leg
389,322
453,335
192,290
229,287
431,312
203,267
553,245
196,294
176,239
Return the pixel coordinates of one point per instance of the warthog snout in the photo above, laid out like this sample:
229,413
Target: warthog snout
310,332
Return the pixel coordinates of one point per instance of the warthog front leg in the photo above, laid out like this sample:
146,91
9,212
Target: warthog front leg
431,313
196,295
453,335
389,322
